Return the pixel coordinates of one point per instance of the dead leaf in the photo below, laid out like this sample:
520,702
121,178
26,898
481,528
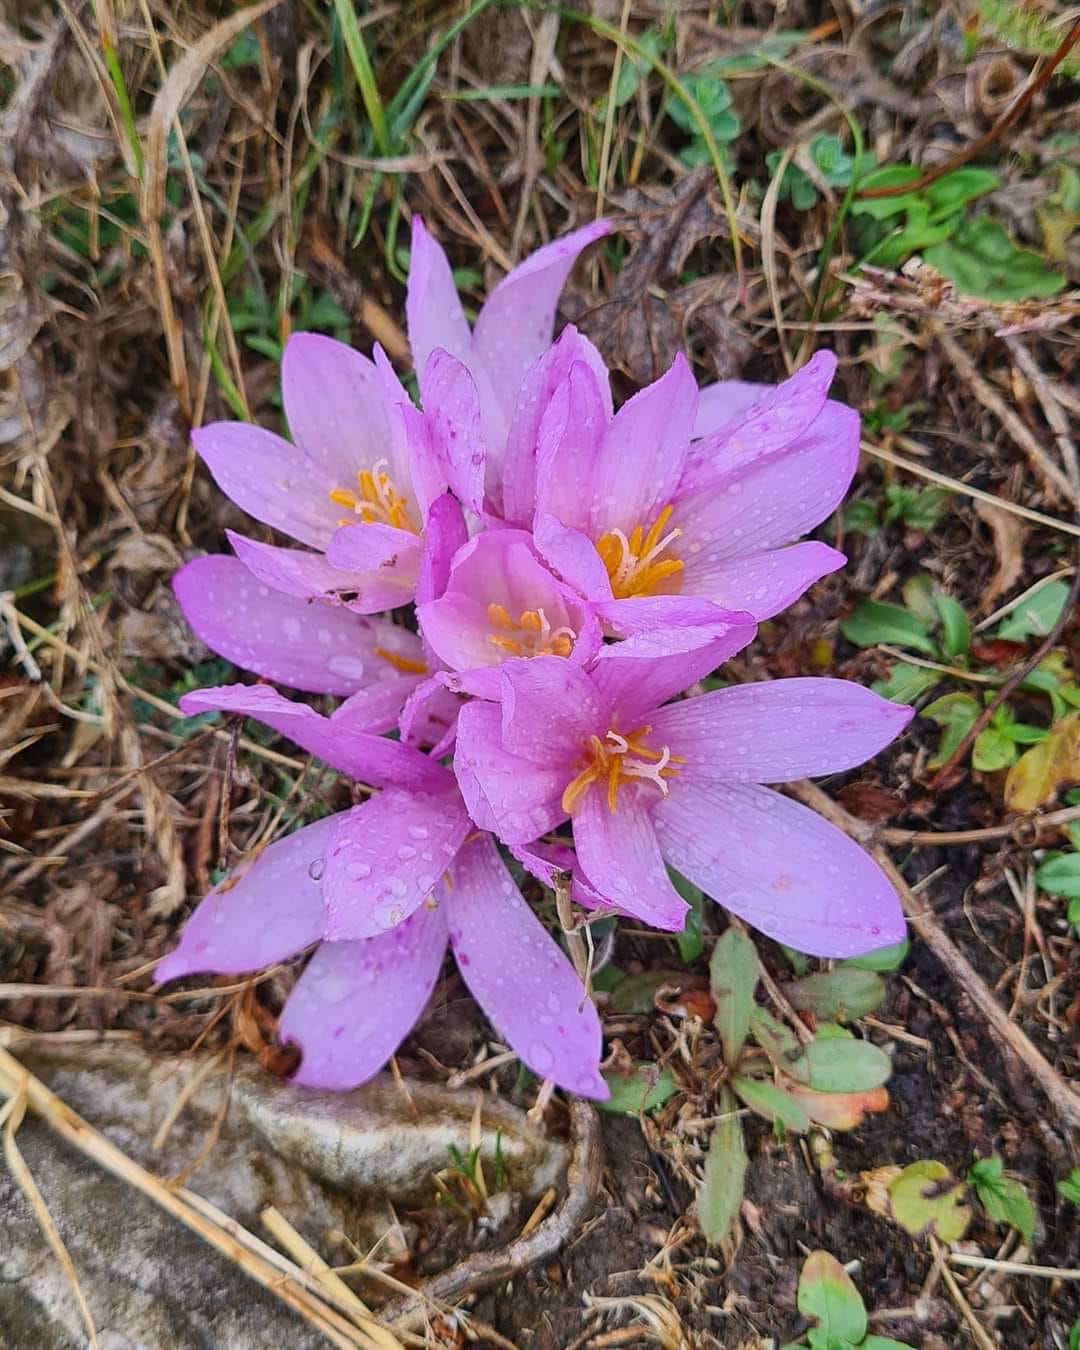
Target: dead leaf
1008,535
649,315
870,802
838,1110
1036,776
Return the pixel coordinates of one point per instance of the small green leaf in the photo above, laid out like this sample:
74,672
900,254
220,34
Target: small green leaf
858,517
955,626
780,1043
884,1343
843,994
725,1172
733,977
993,750
956,714
1073,915
980,259
1060,876
841,1065
1037,615
644,1090
691,943
873,621
636,994
1074,1335
828,1295
958,188
918,593
925,1197
1005,1200
884,958
1069,1186
906,683
771,1102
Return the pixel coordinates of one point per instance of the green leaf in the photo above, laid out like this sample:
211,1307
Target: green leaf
858,517
780,1043
644,1090
843,994
1074,1336
771,1102
691,943
636,994
828,1295
1060,876
956,713
846,1065
1073,916
725,1172
918,593
1004,1199
733,977
873,621
956,189
921,508
1037,615
925,1197
906,683
884,958
955,626
1069,1186
980,259
884,1343
993,750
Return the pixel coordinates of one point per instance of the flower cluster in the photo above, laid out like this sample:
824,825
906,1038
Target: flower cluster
574,571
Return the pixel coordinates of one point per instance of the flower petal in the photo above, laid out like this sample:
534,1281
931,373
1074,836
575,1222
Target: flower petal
776,419
429,717
762,583
514,326
778,731
336,406
550,708
309,576
444,534
340,739
779,866
773,500
643,452
325,650
618,852
264,911
270,479
644,613
518,975
357,1001
386,856
367,547
638,675
433,309
568,446
572,554
452,410
535,395
516,798
722,406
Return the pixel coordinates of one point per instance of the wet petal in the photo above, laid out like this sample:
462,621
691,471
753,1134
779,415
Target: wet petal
763,583
779,730
433,309
517,973
618,853
569,442
386,856
572,554
429,717
357,1001
444,534
295,571
270,479
452,410
265,911
514,326
367,547
550,708
722,406
323,650
780,867
516,798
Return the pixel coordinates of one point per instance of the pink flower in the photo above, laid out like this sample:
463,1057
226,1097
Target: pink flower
502,602
470,380
384,887
643,783
678,500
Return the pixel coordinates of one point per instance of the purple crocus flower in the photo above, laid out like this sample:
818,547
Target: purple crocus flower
645,781
383,887
502,602
678,500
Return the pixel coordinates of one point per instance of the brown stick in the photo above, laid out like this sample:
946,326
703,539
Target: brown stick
1004,122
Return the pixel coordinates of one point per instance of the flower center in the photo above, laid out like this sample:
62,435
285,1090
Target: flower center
531,635
376,499
617,760
635,565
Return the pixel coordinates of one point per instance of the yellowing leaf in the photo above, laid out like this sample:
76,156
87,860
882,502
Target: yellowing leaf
926,1198
1040,771
838,1110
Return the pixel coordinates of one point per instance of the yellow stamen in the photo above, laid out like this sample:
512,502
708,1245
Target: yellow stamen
530,635
617,760
376,500
635,565
401,663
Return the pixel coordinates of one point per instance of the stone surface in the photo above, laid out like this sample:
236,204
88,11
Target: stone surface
327,1161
